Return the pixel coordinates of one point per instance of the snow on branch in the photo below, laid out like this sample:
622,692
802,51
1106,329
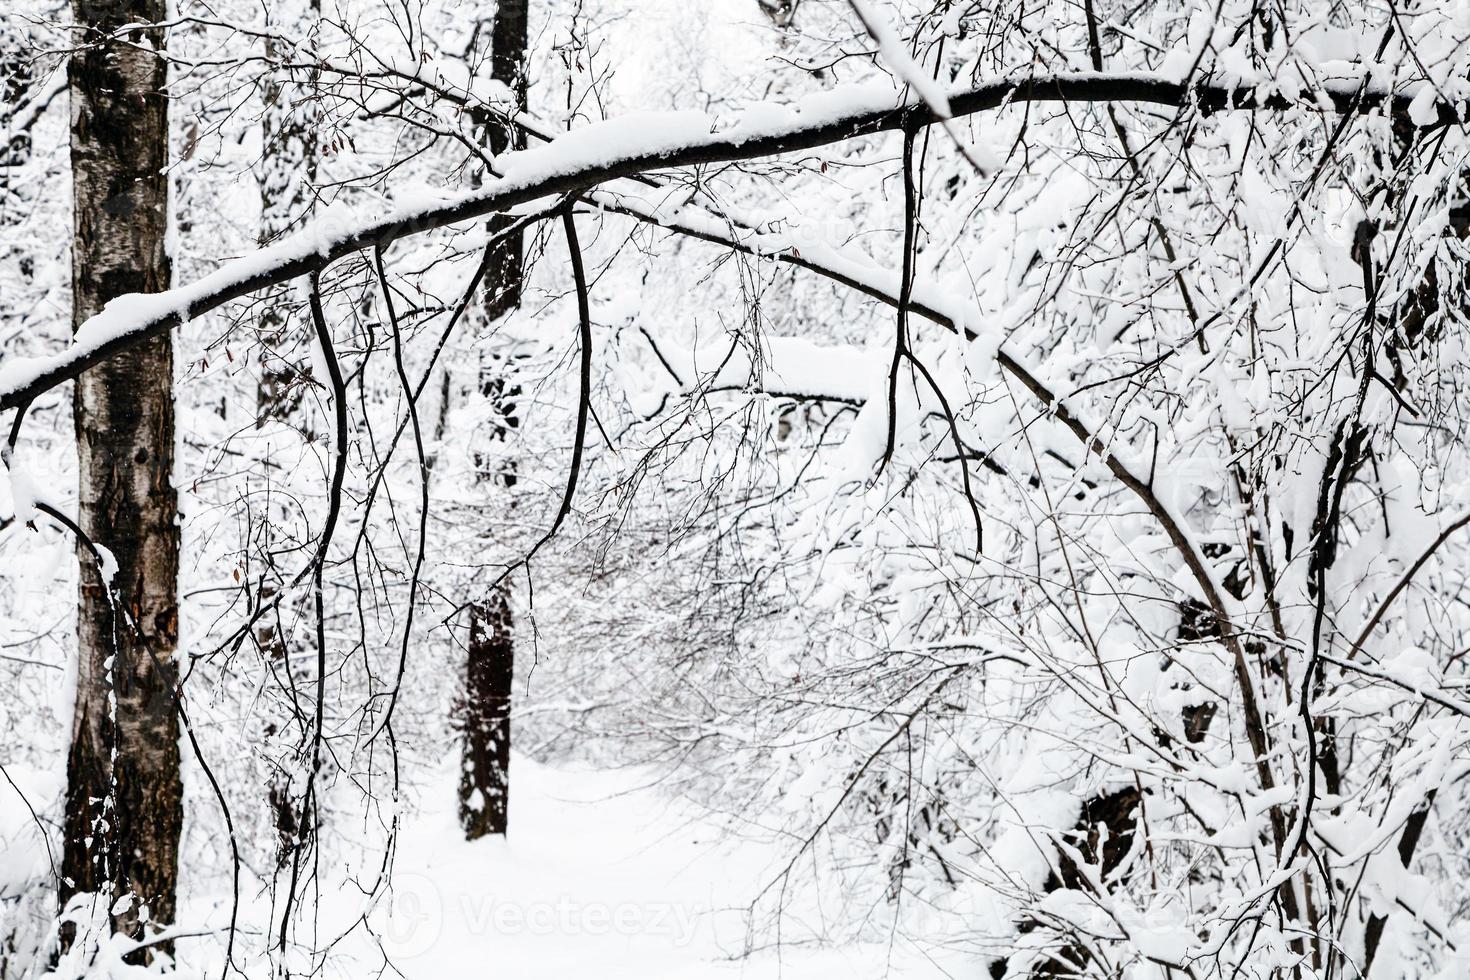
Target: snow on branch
643,142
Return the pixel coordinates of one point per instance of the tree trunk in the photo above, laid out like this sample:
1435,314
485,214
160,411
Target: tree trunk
506,274
484,784
124,806
484,787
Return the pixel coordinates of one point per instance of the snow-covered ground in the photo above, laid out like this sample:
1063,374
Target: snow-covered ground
601,872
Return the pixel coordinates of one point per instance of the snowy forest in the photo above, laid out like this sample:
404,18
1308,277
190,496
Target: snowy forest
803,489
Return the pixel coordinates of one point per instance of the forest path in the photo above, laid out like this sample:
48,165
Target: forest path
600,872
603,875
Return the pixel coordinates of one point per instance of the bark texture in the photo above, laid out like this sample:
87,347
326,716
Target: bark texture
484,788
124,805
484,785
507,269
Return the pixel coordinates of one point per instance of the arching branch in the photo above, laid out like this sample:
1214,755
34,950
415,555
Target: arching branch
625,149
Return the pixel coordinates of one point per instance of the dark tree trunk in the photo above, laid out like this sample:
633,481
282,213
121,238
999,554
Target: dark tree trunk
484,786
124,806
506,273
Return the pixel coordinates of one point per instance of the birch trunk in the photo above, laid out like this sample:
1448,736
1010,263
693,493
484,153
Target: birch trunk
124,806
